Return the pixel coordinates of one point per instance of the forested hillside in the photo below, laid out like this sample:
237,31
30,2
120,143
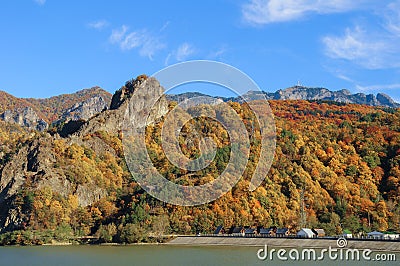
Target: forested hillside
51,109
344,159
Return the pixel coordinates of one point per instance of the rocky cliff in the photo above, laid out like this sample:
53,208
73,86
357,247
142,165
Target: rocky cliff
38,114
25,117
86,109
73,166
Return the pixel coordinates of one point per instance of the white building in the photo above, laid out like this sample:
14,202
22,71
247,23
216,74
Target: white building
306,233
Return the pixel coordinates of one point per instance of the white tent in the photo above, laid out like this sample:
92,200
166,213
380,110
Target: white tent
306,232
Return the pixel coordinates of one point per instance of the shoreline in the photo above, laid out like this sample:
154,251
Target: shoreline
392,246
224,241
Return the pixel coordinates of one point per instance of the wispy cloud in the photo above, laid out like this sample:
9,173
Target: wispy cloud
182,53
165,26
392,17
98,25
147,43
358,46
369,48
260,12
118,34
380,87
217,54
40,2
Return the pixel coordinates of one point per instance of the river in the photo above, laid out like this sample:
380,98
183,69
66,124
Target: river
153,255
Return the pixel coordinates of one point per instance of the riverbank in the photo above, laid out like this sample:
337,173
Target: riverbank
283,243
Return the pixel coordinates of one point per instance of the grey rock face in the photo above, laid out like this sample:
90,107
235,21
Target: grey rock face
303,93
385,100
25,117
85,110
133,100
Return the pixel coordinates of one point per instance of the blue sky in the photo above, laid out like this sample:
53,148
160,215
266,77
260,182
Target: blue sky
51,47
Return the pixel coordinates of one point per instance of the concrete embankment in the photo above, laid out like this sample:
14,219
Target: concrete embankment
284,242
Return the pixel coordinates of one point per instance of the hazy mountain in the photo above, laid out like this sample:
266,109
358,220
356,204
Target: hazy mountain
323,94
305,93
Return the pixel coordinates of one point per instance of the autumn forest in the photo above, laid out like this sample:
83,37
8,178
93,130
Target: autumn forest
336,167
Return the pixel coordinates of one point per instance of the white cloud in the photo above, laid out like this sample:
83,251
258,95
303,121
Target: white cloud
150,46
369,88
370,47
118,34
40,2
147,43
392,17
98,25
217,54
344,77
261,12
131,40
360,47
184,51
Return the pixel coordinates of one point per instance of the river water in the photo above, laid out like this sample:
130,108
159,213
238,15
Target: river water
153,255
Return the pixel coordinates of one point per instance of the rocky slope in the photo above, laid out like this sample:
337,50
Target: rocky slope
37,114
25,117
40,163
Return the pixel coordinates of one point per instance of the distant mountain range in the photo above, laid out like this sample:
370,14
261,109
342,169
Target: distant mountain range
38,114
305,93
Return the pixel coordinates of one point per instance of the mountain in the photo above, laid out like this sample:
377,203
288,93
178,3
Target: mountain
56,107
25,117
341,162
303,93
323,94
39,113
54,163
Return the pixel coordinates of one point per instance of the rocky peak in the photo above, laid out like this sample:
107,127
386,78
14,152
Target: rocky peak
126,91
386,100
25,117
134,98
345,92
303,93
86,109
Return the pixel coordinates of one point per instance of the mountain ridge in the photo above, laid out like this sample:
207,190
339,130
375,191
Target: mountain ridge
303,93
41,113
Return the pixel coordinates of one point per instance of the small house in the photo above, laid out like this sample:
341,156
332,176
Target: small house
306,233
347,234
220,230
319,232
281,232
391,236
238,231
265,231
375,235
250,232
